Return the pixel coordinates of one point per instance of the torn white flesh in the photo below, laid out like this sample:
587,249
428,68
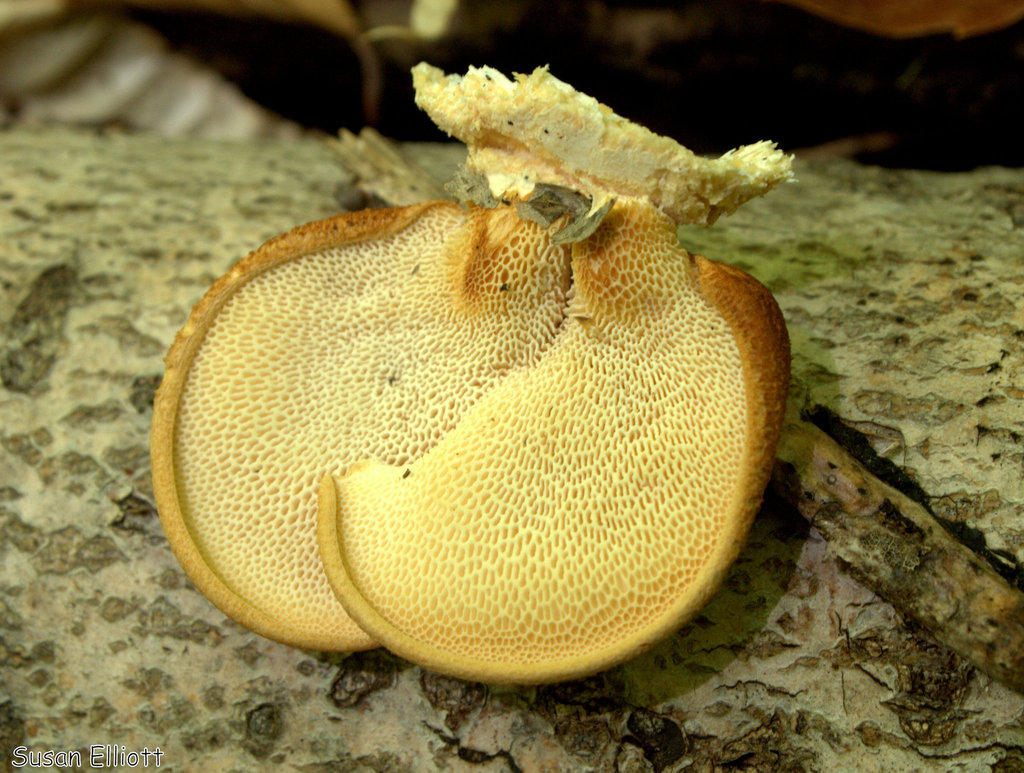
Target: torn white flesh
538,129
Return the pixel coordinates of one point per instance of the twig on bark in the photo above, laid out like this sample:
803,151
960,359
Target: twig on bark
895,547
383,171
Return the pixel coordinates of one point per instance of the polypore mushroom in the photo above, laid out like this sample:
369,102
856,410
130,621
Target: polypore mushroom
538,431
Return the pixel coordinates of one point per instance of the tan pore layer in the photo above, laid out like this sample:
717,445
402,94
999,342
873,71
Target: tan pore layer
368,335
585,507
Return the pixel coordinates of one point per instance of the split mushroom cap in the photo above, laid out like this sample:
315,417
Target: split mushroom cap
440,429
586,505
368,335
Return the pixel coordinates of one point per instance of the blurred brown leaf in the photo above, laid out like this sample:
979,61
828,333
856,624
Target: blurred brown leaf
910,18
98,69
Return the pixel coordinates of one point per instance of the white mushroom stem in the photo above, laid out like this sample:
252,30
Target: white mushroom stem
538,129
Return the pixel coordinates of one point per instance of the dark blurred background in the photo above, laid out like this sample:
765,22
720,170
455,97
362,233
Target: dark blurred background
711,75
934,84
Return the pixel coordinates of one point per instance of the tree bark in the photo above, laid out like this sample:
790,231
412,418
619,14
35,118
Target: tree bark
901,291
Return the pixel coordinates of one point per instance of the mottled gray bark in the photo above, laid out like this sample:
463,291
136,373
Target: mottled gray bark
902,292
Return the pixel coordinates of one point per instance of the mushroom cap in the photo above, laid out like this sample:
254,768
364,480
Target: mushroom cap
538,129
584,507
368,335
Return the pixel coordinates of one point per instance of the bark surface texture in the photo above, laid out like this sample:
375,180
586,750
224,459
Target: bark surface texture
904,295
